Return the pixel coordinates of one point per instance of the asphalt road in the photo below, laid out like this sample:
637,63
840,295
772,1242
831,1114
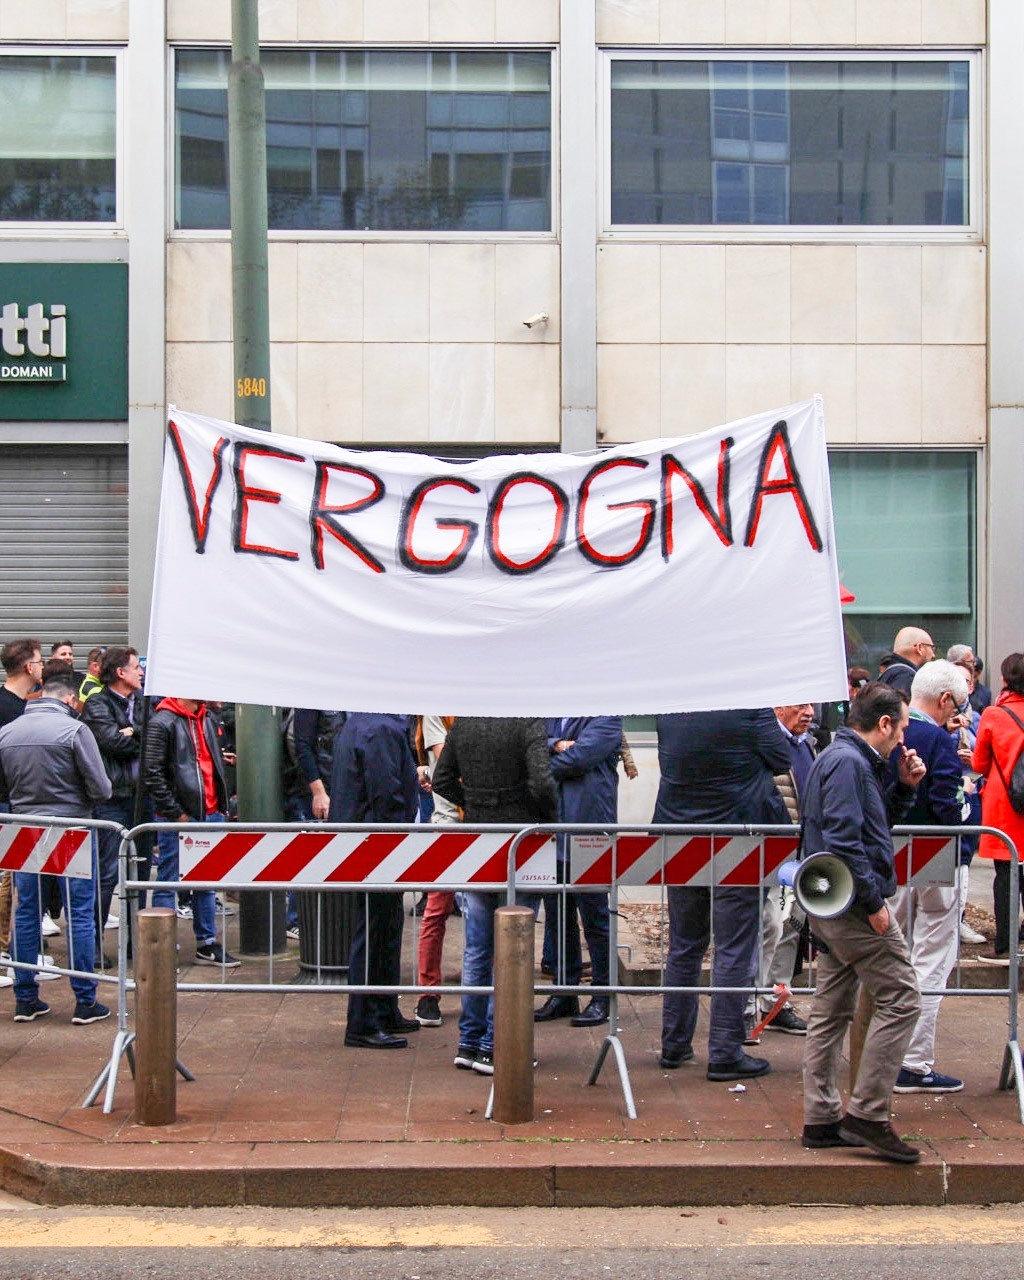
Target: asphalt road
519,1244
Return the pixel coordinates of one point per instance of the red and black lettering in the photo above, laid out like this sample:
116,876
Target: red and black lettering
244,494
410,514
322,514
555,542
778,444
199,520
647,505
720,520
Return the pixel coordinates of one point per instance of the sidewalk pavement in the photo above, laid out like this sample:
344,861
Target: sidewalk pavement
280,1113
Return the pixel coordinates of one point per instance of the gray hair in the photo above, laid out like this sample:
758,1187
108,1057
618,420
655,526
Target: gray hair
939,677
957,652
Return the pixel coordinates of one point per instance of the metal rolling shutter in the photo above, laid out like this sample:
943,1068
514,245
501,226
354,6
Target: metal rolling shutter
64,545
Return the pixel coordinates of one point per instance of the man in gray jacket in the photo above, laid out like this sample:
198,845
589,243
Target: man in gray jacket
50,765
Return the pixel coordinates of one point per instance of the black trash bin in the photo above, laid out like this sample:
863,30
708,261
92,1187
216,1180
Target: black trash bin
327,921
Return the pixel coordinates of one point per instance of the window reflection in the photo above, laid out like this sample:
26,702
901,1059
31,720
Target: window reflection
58,128
858,143
377,140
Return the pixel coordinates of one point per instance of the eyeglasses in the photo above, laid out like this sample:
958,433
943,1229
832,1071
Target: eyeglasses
34,662
928,644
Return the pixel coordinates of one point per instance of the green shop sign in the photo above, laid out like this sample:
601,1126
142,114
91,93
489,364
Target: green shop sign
64,341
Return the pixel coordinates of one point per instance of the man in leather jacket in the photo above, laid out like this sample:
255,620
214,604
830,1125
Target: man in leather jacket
183,770
115,717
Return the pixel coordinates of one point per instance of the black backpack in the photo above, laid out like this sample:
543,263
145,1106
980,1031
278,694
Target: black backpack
1015,787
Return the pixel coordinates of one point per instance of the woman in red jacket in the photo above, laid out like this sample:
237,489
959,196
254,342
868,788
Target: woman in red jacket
1000,742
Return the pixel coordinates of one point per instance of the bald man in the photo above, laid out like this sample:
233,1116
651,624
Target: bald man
913,648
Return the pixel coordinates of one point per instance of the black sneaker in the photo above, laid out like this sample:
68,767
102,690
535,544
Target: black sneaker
29,1010
880,1136
428,1011
86,1013
214,953
465,1057
484,1064
788,1022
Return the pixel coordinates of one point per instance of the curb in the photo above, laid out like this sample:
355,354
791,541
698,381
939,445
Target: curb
585,1175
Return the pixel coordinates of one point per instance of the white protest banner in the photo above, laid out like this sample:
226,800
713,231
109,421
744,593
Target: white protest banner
668,575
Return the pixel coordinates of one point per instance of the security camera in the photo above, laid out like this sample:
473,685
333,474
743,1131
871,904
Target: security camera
541,317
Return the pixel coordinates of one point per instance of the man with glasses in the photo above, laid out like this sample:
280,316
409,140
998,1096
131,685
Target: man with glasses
911,649
114,715
929,915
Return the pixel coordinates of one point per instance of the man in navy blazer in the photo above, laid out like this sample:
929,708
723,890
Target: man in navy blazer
584,764
716,767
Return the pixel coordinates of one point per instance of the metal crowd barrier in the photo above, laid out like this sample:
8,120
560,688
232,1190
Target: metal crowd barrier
64,848
279,857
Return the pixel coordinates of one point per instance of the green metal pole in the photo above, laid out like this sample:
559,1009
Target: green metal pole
258,729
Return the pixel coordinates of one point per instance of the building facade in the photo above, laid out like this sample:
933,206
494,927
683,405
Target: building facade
522,224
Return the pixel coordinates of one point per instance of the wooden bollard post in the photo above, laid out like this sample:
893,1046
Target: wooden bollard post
156,1016
513,1015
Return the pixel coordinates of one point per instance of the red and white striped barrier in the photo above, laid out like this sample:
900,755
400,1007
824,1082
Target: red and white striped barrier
732,860
678,860
429,856
926,860
50,851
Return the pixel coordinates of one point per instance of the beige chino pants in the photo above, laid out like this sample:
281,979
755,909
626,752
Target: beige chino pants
881,963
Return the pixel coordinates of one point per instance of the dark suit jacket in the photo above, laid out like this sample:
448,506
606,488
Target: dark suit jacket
718,766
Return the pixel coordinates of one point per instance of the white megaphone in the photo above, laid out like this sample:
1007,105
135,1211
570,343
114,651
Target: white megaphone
822,884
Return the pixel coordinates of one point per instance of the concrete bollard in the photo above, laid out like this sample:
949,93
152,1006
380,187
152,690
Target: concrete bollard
513,1015
156,1016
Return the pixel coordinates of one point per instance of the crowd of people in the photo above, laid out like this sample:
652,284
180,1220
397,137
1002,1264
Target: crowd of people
922,742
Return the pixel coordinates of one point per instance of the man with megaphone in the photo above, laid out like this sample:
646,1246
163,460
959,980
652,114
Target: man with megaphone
850,803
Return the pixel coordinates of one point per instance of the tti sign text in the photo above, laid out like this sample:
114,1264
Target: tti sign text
34,344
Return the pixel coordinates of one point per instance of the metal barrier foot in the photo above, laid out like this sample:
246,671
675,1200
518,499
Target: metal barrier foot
489,1109
108,1076
1012,1074
612,1041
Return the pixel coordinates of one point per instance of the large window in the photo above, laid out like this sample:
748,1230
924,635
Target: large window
905,534
376,140
58,138
863,142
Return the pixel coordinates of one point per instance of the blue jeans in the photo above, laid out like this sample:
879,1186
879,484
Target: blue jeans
476,1022
119,809
204,901
79,897
736,922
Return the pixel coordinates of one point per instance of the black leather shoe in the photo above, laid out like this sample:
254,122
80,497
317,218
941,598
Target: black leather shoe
374,1040
557,1007
401,1025
744,1068
593,1015
672,1058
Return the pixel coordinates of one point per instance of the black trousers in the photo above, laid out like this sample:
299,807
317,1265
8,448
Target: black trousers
375,957
1001,903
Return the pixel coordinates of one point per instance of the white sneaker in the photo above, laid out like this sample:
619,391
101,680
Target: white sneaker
45,963
113,922
50,927
184,913
225,908
967,934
